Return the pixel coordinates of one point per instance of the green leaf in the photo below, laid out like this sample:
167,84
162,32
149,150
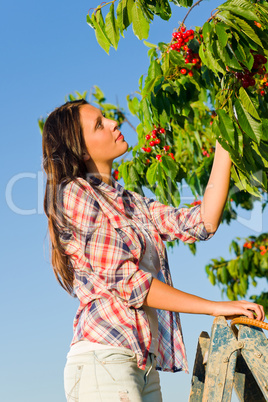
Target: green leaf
241,3
224,275
246,28
243,12
265,129
111,27
206,30
163,9
151,174
139,22
222,34
212,278
150,45
100,32
145,109
226,17
170,166
247,103
226,127
250,126
98,94
212,63
127,12
232,268
228,57
90,22
133,174
119,14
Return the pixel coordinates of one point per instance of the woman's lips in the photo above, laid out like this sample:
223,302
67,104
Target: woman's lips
120,137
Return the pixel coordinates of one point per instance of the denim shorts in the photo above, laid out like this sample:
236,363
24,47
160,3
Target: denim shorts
111,375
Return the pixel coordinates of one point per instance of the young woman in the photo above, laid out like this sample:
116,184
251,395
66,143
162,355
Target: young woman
108,250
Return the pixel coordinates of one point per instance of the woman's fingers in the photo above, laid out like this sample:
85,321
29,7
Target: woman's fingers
242,307
251,308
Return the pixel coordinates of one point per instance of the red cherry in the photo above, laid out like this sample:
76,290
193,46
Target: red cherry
262,93
239,76
183,29
166,148
144,149
190,74
173,46
245,83
159,157
174,35
183,71
266,84
191,32
186,61
154,132
152,143
185,47
147,137
157,141
162,130
191,37
194,61
115,174
154,136
148,149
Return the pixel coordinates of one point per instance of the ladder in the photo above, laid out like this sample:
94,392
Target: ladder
231,358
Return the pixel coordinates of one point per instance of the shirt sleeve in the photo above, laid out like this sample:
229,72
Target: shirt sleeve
172,223
102,261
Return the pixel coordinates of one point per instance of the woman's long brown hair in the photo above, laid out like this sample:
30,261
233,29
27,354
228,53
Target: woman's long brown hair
63,146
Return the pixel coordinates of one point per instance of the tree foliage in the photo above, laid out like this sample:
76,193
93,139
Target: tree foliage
206,84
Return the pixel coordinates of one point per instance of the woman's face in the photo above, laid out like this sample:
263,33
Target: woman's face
104,141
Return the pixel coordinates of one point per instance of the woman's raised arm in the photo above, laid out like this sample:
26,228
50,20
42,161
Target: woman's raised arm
217,190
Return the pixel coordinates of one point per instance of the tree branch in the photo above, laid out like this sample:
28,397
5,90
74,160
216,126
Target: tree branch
195,4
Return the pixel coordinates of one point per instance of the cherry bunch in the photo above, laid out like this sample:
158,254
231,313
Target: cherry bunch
247,77
153,140
205,152
248,244
180,40
262,248
196,202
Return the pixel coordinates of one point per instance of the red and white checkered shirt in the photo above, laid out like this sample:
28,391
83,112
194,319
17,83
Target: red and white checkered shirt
102,238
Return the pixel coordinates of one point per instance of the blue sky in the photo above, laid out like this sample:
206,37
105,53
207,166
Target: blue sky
48,51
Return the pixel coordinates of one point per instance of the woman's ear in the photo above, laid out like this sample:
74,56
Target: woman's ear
86,156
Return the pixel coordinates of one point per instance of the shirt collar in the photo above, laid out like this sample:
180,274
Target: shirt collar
112,191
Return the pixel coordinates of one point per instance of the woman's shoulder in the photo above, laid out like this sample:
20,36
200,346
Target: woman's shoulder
77,190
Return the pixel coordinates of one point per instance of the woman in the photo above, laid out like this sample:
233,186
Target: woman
107,249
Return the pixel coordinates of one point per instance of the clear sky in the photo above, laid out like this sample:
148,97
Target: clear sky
48,51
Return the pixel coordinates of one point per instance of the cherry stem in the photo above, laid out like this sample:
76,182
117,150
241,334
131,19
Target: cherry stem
195,4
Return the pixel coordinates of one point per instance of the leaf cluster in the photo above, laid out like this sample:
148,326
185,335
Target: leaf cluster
250,263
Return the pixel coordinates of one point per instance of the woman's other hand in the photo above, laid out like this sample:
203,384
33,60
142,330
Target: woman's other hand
232,309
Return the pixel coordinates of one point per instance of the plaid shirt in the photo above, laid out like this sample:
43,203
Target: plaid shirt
102,238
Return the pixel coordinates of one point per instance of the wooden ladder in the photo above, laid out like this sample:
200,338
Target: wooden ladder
231,358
